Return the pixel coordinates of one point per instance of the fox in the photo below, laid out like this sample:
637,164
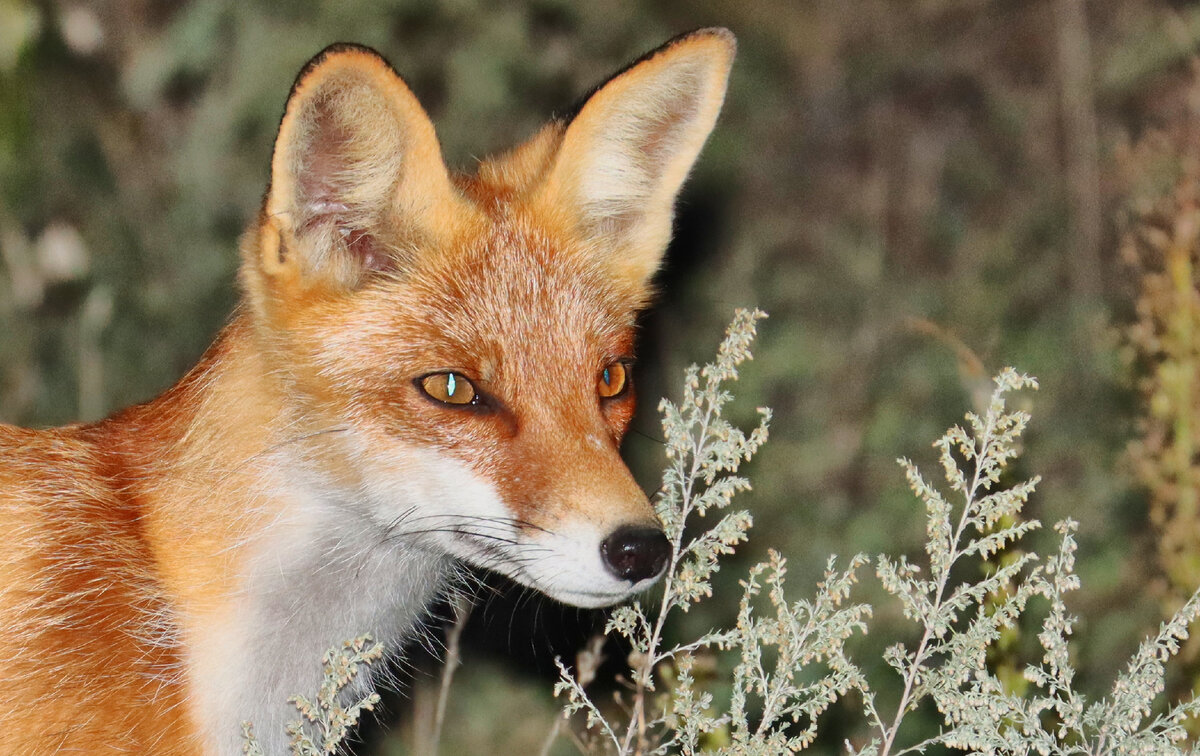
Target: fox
427,370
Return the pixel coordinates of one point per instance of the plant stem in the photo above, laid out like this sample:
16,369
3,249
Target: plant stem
637,721
551,736
910,677
461,606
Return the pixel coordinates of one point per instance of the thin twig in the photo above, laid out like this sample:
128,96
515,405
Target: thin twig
918,661
1081,140
552,736
461,606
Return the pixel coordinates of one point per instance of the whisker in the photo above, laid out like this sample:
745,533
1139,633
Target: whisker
648,436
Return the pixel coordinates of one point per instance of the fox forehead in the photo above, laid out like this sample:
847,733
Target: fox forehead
518,281
510,298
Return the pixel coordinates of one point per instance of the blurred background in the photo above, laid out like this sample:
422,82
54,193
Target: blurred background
918,191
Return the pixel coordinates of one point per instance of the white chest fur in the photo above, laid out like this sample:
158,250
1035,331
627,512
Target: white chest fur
326,575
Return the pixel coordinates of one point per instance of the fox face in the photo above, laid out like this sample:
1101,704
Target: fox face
458,350
475,437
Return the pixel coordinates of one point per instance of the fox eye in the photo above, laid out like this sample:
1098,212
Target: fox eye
614,379
449,388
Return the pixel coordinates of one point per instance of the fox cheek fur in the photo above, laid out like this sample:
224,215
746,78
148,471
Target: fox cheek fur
426,368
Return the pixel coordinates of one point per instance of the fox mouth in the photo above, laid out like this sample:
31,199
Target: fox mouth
572,595
565,566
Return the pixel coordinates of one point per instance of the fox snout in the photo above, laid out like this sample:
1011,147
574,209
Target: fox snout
596,544
636,553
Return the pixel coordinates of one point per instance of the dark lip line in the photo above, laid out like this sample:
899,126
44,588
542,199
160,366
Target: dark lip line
604,595
615,595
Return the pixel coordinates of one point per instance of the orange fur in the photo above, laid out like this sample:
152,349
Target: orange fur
298,484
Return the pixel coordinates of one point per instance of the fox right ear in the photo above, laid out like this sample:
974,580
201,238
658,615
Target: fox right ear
623,158
356,173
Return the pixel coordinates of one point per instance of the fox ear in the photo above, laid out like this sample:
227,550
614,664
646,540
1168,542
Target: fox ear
625,155
356,172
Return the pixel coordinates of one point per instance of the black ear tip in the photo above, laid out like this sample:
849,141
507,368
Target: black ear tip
344,47
710,32
335,50
716,32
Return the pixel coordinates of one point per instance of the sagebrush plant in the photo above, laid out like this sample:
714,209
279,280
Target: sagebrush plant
960,622
789,657
326,720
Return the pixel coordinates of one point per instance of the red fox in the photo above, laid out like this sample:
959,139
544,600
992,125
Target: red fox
427,369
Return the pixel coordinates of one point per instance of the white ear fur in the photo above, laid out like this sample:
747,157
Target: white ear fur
624,157
356,156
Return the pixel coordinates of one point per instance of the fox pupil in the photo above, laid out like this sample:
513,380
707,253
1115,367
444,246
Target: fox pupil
607,378
450,384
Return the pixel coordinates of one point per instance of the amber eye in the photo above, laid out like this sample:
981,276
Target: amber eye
613,380
450,388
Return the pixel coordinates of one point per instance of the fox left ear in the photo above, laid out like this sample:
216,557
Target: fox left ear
356,168
624,157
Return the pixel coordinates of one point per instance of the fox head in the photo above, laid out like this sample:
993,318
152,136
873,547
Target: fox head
459,349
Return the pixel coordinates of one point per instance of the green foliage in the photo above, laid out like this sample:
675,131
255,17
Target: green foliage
1162,249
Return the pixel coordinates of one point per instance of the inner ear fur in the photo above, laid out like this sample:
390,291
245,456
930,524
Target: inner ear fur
356,168
624,156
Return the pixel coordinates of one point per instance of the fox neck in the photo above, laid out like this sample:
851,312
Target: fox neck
268,552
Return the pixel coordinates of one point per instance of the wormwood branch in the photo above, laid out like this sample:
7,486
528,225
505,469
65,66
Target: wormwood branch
704,452
795,636
960,623
986,449
326,721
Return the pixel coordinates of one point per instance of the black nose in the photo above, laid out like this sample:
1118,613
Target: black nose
634,553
